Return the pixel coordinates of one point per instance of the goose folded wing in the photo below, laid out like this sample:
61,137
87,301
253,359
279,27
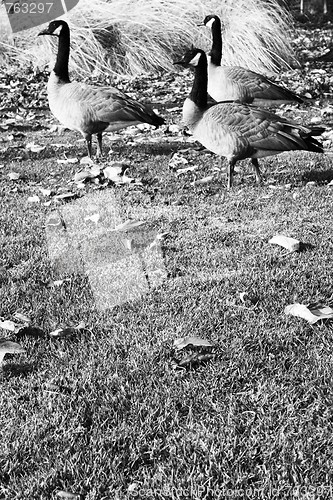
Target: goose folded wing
258,85
112,105
261,129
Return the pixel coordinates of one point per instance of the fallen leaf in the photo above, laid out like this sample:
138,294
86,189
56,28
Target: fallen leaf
14,176
34,148
69,331
8,325
180,171
22,317
68,495
312,314
68,160
33,199
93,218
183,342
290,244
195,358
45,192
65,196
128,225
86,161
204,180
9,347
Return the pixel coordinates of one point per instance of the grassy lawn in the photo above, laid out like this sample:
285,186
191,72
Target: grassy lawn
104,413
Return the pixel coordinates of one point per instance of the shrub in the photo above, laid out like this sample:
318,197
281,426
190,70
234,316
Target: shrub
137,36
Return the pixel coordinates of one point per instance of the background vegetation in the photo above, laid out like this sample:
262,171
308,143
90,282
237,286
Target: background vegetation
131,37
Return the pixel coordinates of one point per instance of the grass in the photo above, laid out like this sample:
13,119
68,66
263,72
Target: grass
104,414
125,37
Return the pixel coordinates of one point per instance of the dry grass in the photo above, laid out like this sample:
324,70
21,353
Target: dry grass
130,37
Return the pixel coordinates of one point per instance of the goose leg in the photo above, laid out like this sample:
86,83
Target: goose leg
257,172
231,165
88,140
99,144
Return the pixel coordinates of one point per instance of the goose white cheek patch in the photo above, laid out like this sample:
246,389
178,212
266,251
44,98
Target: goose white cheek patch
195,60
210,23
26,14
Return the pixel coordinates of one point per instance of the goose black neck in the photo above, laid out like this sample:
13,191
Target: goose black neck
198,93
61,65
216,52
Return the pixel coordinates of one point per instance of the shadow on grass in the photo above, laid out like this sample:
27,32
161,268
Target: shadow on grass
304,247
10,370
320,176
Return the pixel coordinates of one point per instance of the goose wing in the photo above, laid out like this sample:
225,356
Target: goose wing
258,86
247,129
110,105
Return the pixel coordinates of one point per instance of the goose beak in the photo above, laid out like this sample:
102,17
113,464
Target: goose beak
201,25
181,62
46,32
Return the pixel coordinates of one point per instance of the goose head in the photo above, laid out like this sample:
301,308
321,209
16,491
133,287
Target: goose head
191,58
211,20
54,28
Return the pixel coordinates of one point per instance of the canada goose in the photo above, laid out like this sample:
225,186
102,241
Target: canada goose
236,130
236,82
87,108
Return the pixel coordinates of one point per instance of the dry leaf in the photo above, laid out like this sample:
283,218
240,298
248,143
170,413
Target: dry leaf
195,358
8,325
183,342
204,180
68,495
22,317
14,176
128,225
35,148
290,244
33,199
310,314
68,160
45,192
93,218
180,171
69,331
7,346
65,196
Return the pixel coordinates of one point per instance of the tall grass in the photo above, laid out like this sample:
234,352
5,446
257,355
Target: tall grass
138,36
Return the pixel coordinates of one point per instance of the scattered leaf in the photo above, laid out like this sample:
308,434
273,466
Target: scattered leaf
86,160
33,199
9,347
14,176
34,148
180,171
290,244
45,192
183,342
128,225
312,314
93,218
204,180
69,331
8,325
193,359
68,495
22,317
65,196
68,160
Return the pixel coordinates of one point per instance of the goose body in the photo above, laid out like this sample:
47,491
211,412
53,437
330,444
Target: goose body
236,130
85,108
236,82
